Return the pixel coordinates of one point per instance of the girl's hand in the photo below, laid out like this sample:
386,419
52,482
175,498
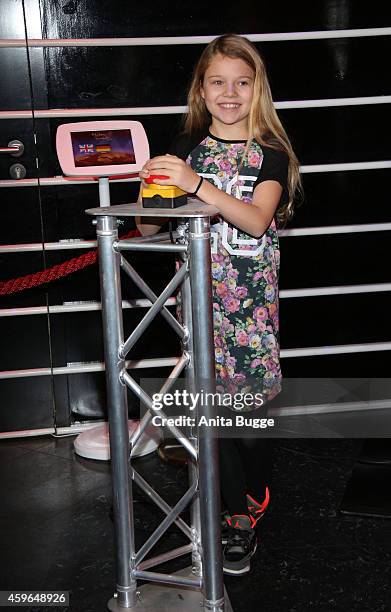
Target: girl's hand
143,174
179,172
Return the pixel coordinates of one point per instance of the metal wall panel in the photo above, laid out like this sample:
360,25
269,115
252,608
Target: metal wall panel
343,259
343,198
117,76
348,320
83,18
351,365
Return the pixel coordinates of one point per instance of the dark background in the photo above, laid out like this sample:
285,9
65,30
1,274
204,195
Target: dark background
158,75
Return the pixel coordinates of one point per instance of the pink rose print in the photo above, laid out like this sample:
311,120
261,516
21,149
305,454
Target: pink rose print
241,292
218,341
239,379
231,304
271,366
241,337
225,165
232,273
270,363
268,276
257,276
226,326
260,313
222,290
223,373
254,159
230,361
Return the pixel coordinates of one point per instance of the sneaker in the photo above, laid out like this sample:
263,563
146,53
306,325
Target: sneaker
257,509
226,526
240,547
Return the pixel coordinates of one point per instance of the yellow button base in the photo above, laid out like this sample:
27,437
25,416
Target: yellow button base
163,196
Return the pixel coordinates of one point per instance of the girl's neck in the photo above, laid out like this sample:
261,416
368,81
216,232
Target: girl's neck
229,132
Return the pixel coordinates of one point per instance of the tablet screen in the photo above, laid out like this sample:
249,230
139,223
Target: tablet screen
102,148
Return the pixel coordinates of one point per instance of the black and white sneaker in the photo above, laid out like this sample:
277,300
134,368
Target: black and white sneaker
240,546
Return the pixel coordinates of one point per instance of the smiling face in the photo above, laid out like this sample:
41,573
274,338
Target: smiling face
227,89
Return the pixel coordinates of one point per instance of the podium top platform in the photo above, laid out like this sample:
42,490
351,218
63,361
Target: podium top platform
195,208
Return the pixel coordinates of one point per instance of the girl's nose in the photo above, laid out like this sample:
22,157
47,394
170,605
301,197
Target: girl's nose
230,89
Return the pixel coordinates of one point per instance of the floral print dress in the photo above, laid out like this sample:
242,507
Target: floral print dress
244,274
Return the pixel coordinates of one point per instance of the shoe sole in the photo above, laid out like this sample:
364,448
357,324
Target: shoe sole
242,570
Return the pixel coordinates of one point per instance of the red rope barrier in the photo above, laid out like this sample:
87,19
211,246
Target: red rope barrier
59,271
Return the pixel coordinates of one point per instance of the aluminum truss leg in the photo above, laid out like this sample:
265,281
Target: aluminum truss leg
117,412
204,370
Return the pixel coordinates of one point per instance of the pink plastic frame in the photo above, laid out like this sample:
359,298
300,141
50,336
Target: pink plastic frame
65,152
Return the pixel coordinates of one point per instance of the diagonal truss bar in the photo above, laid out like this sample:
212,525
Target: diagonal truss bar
164,525
168,556
142,285
144,397
169,579
159,501
182,363
152,312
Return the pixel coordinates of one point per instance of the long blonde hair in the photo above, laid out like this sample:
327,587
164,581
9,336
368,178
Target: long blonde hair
264,124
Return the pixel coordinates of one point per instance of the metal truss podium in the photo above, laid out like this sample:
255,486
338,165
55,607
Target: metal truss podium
202,585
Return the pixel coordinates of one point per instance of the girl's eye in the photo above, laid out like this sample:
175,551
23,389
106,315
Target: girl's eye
241,83
217,82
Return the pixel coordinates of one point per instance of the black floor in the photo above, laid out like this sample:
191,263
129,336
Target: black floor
56,532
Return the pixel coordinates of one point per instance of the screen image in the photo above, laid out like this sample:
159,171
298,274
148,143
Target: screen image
103,148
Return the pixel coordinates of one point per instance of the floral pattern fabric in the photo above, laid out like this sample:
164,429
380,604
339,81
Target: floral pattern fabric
244,276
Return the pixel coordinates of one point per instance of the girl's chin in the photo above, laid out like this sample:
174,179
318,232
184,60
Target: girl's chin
231,121
230,116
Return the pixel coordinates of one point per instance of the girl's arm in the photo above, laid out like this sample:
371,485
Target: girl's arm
252,219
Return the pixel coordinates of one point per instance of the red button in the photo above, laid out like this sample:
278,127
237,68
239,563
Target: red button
160,177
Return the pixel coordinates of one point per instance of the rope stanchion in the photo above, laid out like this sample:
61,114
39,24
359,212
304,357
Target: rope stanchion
15,285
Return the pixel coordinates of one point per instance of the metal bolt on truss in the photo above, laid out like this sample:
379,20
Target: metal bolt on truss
202,584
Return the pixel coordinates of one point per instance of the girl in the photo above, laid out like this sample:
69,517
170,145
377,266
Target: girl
235,154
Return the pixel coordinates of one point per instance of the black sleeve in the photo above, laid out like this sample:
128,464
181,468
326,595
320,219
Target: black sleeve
184,144
179,146
275,168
